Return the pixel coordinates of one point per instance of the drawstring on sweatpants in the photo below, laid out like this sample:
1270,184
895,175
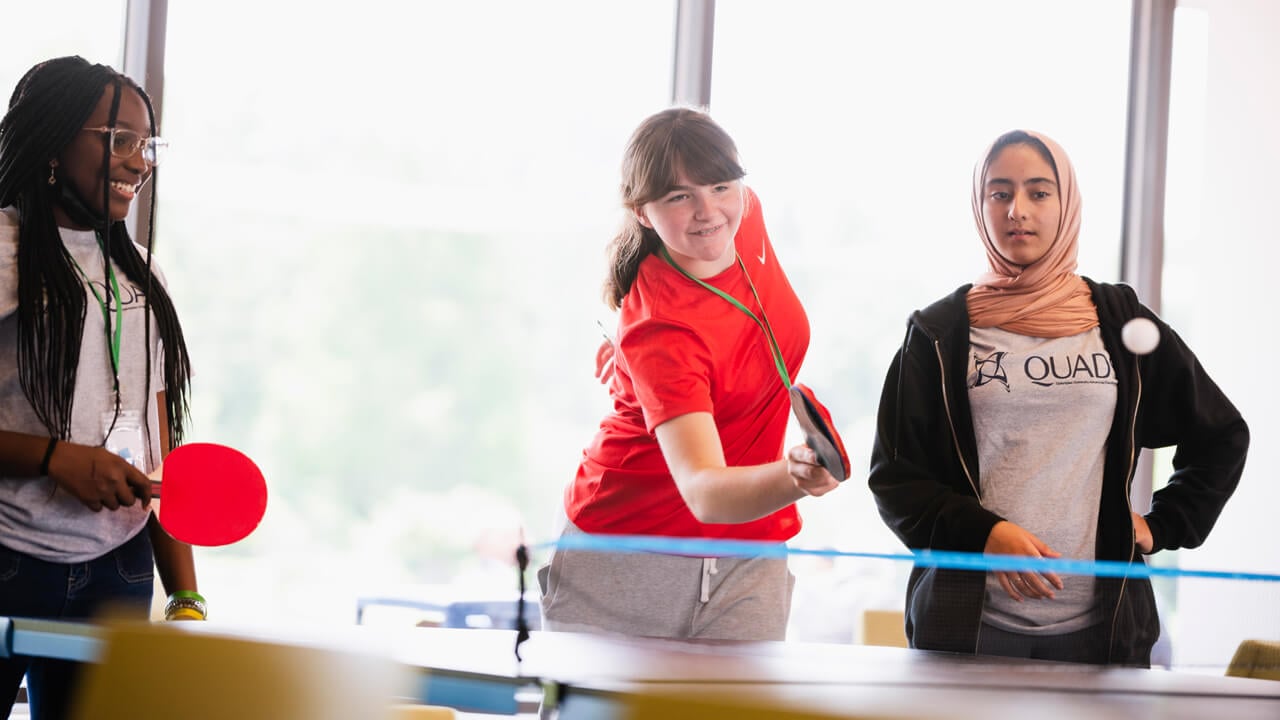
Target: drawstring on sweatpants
708,569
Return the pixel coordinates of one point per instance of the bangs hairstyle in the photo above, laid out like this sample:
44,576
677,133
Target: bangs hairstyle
671,142
675,140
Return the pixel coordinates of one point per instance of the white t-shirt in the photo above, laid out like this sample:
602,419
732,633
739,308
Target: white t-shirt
36,518
1042,410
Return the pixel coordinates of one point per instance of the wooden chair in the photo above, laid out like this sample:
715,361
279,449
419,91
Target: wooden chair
883,627
163,671
1256,659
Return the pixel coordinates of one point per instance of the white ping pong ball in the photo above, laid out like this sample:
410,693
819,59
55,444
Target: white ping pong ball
1140,336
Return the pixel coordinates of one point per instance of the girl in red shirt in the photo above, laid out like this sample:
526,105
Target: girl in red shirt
709,334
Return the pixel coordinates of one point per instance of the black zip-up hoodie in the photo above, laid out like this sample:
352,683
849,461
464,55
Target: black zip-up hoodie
925,476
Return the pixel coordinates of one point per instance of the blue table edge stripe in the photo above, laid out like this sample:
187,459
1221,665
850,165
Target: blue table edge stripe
469,694
27,637
703,547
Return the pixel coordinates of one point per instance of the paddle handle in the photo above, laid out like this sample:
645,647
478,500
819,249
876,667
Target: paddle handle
155,477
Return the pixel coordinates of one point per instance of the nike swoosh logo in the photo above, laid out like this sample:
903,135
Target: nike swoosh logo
762,256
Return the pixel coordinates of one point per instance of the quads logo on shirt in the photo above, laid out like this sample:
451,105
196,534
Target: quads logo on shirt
1043,371
1040,369
990,369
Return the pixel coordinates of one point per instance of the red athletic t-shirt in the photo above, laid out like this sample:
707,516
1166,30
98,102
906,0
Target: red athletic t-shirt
682,349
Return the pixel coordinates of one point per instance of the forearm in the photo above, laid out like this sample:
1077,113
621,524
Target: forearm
21,454
175,562
739,494
1186,409
1206,474
925,512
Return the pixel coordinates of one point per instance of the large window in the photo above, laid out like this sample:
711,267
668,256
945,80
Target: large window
1219,233
88,28
384,227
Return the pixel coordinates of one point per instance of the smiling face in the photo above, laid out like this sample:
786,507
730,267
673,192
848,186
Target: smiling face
80,164
1021,207
697,223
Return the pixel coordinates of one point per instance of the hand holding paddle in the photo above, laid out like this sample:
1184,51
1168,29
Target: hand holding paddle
213,494
819,432
97,477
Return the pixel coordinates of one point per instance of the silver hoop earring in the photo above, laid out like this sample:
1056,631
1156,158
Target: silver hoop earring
53,179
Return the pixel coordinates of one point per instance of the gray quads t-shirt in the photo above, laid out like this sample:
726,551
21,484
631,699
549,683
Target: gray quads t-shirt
1042,410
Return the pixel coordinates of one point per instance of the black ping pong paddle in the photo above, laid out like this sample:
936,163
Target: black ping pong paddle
819,432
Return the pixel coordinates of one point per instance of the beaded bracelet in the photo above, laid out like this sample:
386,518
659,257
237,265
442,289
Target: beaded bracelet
183,613
185,605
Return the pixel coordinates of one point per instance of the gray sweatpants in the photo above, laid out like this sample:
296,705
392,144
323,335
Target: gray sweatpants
671,596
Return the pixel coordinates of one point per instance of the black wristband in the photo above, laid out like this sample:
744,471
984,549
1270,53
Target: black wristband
48,454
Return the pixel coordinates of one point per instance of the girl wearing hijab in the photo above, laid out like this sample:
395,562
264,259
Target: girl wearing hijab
1011,421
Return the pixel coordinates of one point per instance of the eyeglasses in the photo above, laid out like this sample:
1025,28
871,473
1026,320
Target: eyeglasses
125,143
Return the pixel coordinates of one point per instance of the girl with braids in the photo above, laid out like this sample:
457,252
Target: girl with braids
93,366
1010,424
709,333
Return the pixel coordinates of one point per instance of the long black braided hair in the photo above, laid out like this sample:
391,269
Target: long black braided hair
48,107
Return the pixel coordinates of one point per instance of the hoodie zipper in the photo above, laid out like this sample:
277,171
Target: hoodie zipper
946,404
1128,488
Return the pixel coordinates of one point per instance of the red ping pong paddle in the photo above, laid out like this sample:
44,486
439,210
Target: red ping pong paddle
213,494
819,432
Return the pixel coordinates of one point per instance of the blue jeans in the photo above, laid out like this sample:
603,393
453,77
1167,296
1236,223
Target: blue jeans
120,580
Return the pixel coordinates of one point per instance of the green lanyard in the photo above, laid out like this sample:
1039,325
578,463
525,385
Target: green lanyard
113,337
764,325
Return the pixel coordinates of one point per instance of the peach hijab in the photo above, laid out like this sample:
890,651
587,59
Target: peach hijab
1047,298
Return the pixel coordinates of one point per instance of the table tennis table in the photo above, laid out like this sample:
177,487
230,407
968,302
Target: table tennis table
602,677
